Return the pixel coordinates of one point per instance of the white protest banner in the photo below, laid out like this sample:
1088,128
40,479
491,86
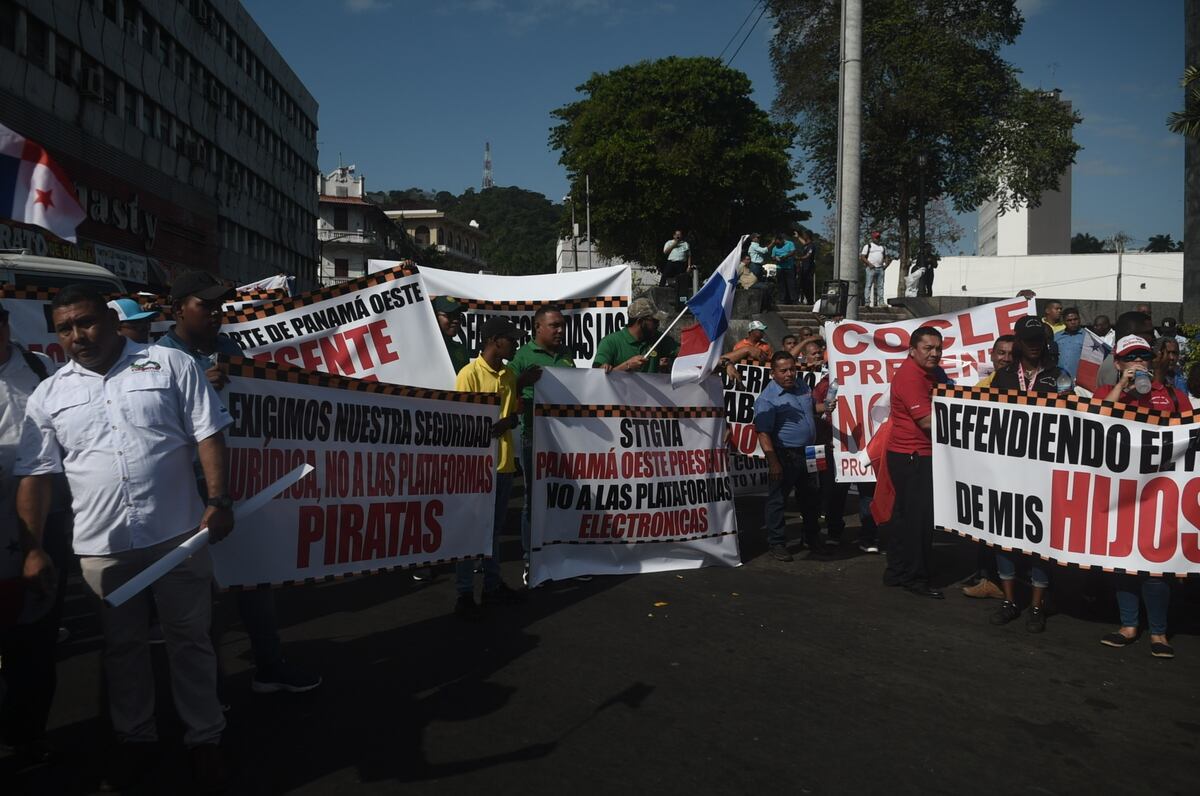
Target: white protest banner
404,476
279,282
740,398
748,474
1069,480
630,476
863,358
593,302
379,327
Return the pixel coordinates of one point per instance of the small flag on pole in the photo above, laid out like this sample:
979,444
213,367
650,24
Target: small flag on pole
1094,352
701,345
34,189
814,458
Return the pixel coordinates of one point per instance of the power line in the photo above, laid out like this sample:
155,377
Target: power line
752,27
739,29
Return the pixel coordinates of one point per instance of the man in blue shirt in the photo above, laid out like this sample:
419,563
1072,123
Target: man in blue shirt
785,418
197,302
1070,341
784,255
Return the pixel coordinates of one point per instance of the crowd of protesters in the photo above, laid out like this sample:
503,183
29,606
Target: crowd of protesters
113,456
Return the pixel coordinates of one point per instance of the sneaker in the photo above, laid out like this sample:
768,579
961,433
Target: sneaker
831,542
983,590
1117,640
582,578
525,575
1006,613
208,768
1036,621
422,574
1160,650
780,553
283,677
869,548
504,595
466,609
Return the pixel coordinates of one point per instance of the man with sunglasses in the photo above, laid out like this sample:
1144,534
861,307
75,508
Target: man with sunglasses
197,302
1132,357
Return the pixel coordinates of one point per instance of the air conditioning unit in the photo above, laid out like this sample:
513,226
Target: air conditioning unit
93,82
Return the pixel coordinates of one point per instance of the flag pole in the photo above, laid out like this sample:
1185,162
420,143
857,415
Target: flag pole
668,329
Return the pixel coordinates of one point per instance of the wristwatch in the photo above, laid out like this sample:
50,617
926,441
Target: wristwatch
222,502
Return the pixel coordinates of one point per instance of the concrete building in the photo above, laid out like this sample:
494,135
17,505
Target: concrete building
351,229
461,244
573,255
1045,229
191,142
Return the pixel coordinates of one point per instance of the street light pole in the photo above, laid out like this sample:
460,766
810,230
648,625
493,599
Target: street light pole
850,114
574,234
922,161
587,181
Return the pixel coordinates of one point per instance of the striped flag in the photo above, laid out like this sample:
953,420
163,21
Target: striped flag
814,458
701,344
1095,350
34,189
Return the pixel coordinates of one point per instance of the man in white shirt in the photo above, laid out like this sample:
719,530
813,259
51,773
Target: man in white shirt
123,421
874,263
678,266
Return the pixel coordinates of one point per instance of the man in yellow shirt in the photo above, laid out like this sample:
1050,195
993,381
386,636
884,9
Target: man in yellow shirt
487,373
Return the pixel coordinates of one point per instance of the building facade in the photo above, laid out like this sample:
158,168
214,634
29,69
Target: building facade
191,142
460,243
1045,229
352,230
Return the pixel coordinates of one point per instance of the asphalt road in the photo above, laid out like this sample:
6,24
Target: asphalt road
803,677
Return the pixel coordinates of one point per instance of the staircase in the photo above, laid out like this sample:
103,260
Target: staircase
797,315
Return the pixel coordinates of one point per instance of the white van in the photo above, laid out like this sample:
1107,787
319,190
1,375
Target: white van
21,269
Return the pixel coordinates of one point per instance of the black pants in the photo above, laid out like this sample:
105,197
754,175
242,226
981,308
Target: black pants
807,284
795,478
910,548
27,651
833,497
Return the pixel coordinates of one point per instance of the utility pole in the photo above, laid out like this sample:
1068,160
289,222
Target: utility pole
850,115
1119,245
587,183
837,190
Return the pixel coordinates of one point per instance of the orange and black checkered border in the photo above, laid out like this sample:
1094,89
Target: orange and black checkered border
670,540
348,575
247,368
613,410
566,305
1069,564
1094,406
272,308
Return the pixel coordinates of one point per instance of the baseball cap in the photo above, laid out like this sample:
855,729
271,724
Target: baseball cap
1130,343
200,284
1169,327
641,308
128,310
757,326
499,327
875,234
1030,328
447,305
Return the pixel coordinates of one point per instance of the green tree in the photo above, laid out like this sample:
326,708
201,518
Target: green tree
1187,121
676,143
522,227
933,84
1161,243
1086,243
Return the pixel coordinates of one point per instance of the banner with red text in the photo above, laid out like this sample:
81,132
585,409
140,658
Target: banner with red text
593,302
864,356
1069,480
379,327
405,477
630,476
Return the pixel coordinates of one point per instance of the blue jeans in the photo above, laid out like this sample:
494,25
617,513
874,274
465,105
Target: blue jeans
1156,593
873,287
869,532
464,571
795,477
1006,568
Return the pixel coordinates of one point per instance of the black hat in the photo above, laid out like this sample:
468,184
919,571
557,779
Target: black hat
499,326
200,284
447,305
1030,328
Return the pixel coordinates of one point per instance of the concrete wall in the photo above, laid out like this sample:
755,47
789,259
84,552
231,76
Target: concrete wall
1078,277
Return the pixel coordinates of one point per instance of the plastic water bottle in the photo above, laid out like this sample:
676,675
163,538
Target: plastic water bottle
1063,382
1141,382
831,396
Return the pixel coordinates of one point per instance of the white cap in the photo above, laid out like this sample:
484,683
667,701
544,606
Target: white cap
757,326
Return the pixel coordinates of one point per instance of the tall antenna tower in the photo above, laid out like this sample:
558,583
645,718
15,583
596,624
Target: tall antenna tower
487,165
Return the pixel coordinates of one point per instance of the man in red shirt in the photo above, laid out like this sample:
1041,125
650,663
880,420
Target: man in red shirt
910,464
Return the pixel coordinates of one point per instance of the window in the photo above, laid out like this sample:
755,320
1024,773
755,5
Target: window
64,58
341,267
110,9
131,107
131,23
341,218
37,41
148,126
164,48
147,33
421,235
110,91
8,31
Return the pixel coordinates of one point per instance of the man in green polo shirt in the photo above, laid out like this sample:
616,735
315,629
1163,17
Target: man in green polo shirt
449,317
628,349
545,350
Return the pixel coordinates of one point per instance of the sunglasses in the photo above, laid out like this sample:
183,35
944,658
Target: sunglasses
1142,356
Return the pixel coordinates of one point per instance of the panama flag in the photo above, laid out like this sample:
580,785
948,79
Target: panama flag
701,344
1094,352
34,189
814,458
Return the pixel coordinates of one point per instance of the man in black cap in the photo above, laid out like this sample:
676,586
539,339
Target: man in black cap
449,317
197,302
488,373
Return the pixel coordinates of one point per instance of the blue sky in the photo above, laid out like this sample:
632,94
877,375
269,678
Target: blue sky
410,91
